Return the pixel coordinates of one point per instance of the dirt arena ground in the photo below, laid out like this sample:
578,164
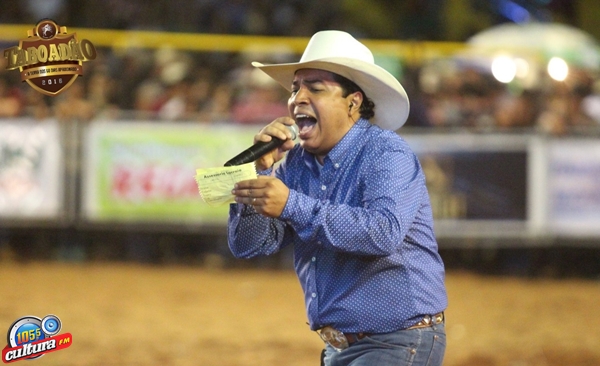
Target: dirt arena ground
125,314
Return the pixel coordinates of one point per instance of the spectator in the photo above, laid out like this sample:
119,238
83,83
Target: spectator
148,98
36,105
199,94
10,99
591,103
174,107
218,109
101,90
261,100
516,111
72,104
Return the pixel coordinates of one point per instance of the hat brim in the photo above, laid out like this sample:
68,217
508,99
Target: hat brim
391,102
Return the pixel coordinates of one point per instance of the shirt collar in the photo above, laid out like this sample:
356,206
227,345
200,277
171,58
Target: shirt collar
343,149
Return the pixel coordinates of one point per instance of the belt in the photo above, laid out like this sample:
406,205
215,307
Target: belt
340,341
428,321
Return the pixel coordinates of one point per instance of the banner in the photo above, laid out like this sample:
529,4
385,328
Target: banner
145,171
474,179
31,169
574,187
478,185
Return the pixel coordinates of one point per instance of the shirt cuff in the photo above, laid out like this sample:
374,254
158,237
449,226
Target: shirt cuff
265,172
241,209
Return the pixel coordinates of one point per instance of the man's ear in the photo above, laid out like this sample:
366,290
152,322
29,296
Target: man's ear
356,99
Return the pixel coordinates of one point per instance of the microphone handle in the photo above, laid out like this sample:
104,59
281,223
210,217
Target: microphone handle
256,151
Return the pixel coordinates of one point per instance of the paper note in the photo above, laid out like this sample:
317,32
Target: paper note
215,184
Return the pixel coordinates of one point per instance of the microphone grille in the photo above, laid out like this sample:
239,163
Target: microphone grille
294,130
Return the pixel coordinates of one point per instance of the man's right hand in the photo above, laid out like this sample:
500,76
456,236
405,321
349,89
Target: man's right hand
278,129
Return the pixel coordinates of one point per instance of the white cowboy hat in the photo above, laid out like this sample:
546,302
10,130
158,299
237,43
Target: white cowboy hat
340,53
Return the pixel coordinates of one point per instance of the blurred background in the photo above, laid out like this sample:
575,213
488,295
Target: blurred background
505,117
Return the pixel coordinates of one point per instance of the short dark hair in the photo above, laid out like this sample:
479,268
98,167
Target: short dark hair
367,108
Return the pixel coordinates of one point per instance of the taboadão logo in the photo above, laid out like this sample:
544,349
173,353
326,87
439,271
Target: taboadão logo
49,59
30,337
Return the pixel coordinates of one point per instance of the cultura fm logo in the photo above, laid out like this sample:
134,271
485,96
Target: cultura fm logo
49,59
31,337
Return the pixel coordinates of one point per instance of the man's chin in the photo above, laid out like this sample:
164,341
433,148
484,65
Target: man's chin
306,145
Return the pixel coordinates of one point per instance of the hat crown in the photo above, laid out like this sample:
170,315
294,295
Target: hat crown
330,44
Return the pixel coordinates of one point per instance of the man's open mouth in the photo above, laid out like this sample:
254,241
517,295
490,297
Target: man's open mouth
305,123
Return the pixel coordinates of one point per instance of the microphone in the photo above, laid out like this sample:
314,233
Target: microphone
260,148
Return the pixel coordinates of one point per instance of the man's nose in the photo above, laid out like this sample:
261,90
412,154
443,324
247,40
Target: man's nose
300,96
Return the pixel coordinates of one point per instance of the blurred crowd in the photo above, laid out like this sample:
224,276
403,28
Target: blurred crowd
452,95
218,87
157,85
171,85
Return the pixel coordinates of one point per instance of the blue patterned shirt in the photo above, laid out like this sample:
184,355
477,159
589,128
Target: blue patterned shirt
362,230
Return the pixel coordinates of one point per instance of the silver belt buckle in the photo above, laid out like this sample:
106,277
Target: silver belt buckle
334,338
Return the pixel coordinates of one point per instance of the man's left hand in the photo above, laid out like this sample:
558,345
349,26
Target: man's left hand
267,194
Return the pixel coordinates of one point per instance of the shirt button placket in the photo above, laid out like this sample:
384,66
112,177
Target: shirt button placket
323,191
312,290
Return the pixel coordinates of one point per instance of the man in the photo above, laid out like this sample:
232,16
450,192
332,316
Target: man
351,198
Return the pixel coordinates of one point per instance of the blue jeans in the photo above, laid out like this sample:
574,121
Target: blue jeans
414,347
